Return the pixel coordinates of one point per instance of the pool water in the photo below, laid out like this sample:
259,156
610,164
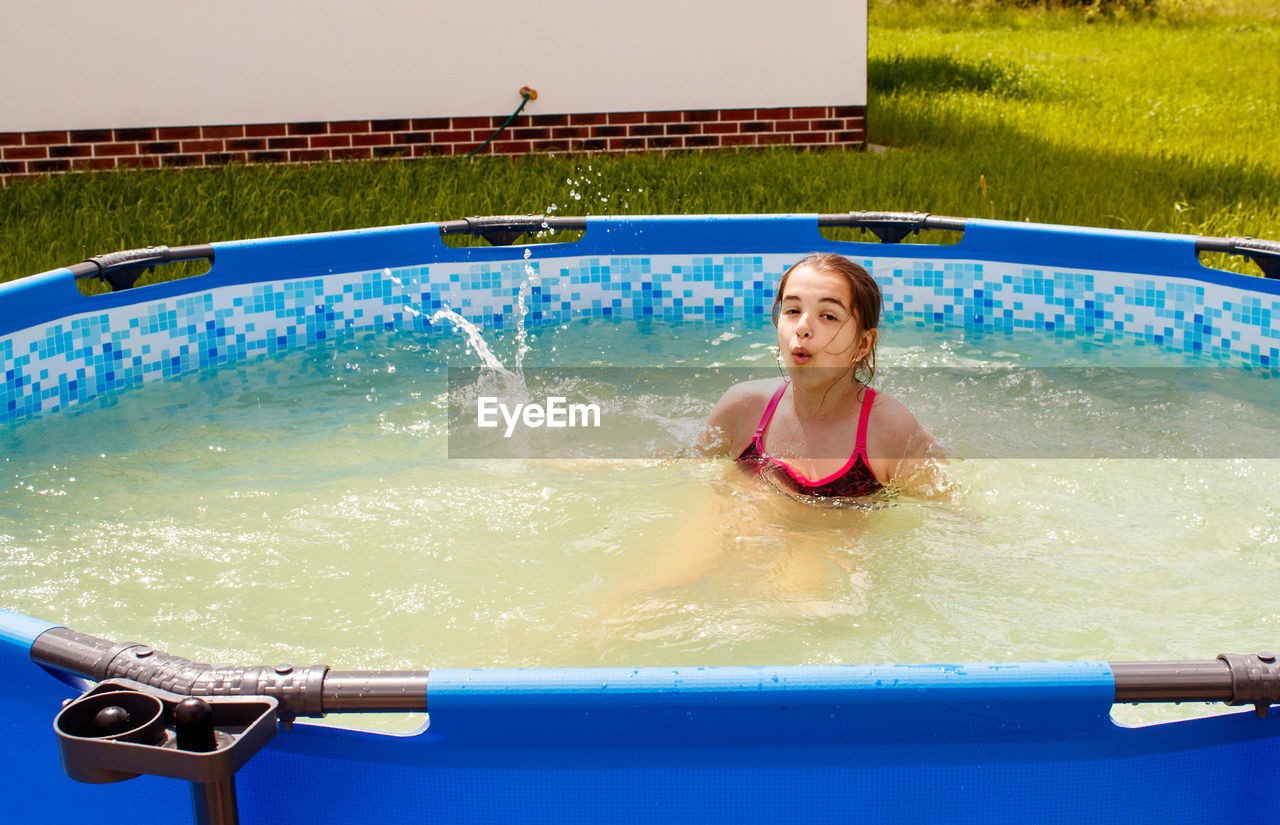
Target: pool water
1112,501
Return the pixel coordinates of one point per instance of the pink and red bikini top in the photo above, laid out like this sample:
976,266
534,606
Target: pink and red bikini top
853,479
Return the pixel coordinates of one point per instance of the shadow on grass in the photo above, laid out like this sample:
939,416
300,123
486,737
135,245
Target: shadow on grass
948,73
990,169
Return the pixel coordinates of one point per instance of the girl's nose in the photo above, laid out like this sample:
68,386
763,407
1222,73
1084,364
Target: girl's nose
802,327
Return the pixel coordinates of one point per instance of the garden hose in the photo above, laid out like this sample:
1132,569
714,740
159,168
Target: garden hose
526,94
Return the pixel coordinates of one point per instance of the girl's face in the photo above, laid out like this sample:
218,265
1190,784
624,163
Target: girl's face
817,326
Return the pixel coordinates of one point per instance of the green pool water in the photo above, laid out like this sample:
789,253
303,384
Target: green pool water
1112,501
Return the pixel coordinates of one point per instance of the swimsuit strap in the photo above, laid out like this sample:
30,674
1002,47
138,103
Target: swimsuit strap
868,397
768,411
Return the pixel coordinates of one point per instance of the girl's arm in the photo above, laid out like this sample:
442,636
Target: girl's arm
905,455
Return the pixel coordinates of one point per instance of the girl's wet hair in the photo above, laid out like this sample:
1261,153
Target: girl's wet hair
866,299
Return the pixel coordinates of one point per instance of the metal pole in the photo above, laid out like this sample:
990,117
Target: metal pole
214,803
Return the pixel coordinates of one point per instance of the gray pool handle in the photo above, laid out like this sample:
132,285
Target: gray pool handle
301,691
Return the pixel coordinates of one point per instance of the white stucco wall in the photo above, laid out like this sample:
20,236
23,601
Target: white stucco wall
83,64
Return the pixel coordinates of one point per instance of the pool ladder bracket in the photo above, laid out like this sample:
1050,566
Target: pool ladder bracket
121,729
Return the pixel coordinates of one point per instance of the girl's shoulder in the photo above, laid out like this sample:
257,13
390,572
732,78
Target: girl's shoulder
750,393
736,414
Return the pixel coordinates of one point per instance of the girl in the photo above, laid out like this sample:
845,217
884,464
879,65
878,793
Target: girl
822,431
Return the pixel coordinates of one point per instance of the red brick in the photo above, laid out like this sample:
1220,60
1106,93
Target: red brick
595,145
848,111
570,132
626,117
474,123
777,113
223,158
388,152
738,140
247,144
49,166
720,128
666,143
701,115
266,130
288,143
308,156
511,147
222,131
160,148
12,167
313,128
44,138
794,126
375,139
551,146
626,144
26,152
98,164
811,137
352,153
664,117
772,139
349,127
757,126
737,114
179,160
609,131
268,157
328,141
454,137
82,150
413,138
701,141
549,120
530,133
135,134
84,136
645,130
397,125
178,133
115,149
201,146
426,124
588,119
828,125
682,129
10,138
810,112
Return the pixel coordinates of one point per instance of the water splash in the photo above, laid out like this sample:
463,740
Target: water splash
531,279
406,298
475,339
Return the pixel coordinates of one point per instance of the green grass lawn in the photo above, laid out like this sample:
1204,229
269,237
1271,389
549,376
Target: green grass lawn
1165,124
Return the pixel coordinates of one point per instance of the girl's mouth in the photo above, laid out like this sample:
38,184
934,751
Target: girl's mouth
800,355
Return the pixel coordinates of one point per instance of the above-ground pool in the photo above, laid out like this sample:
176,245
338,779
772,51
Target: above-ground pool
283,460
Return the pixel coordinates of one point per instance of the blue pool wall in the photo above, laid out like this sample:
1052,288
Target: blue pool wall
992,743
59,348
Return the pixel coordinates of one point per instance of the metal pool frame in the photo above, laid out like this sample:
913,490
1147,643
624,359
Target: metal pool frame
991,742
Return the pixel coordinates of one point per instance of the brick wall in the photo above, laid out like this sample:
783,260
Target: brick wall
29,154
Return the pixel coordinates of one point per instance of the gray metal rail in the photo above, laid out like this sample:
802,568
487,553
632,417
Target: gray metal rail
1236,679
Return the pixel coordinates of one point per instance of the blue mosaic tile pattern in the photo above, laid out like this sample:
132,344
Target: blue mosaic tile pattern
77,358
